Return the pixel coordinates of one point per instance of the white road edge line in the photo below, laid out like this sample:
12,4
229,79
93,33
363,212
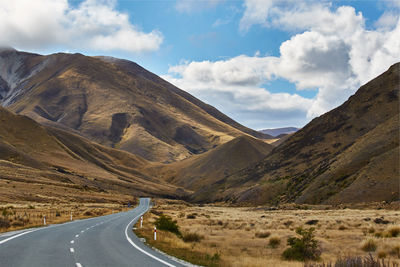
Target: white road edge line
78,264
15,236
141,250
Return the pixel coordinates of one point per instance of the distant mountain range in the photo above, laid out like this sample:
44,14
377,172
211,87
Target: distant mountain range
275,132
100,128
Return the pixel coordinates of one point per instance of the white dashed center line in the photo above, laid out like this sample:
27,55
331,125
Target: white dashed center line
76,235
78,264
71,250
82,231
72,241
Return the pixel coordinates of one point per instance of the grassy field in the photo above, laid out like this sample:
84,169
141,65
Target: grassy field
20,216
231,236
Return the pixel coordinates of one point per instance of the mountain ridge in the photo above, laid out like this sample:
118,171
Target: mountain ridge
117,104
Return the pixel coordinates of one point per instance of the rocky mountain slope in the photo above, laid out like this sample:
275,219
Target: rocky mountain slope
39,163
113,102
350,154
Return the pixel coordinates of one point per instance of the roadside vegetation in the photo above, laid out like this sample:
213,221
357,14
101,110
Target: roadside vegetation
21,216
295,236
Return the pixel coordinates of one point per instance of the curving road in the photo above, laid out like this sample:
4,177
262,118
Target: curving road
101,241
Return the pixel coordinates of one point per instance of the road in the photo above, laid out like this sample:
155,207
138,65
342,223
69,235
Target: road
100,241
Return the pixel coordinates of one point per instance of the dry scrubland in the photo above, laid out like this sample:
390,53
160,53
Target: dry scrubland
20,216
231,236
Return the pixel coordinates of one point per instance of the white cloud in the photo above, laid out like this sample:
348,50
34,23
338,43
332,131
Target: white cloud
332,52
91,25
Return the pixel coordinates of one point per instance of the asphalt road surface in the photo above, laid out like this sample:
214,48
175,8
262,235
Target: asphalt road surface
101,241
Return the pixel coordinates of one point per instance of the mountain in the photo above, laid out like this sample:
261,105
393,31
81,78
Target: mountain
350,154
200,170
279,131
115,103
39,163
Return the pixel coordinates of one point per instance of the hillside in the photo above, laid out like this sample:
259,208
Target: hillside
350,154
113,102
43,164
200,170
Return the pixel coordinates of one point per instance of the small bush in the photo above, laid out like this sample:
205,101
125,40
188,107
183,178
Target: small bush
4,223
262,234
371,230
191,216
378,234
88,213
342,227
167,224
381,254
288,223
381,221
369,245
58,214
312,222
393,232
303,248
274,242
192,237
395,251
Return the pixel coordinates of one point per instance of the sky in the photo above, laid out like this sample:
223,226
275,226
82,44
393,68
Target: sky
264,63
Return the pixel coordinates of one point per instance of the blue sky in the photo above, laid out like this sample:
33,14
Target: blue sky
265,63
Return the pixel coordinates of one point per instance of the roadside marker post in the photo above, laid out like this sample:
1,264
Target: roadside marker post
71,216
155,233
141,221
44,220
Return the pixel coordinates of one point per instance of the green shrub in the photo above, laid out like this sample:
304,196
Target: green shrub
303,248
274,242
167,224
369,245
192,237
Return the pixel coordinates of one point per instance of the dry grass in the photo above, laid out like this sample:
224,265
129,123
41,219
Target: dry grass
232,233
20,216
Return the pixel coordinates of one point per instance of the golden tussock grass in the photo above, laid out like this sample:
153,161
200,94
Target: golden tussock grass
234,233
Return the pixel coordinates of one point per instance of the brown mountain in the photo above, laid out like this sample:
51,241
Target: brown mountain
207,168
113,102
350,154
39,163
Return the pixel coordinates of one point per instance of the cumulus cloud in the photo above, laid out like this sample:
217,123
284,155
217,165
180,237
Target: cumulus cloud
91,25
331,51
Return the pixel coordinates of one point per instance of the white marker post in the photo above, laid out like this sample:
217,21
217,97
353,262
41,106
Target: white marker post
44,220
155,233
71,216
141,221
